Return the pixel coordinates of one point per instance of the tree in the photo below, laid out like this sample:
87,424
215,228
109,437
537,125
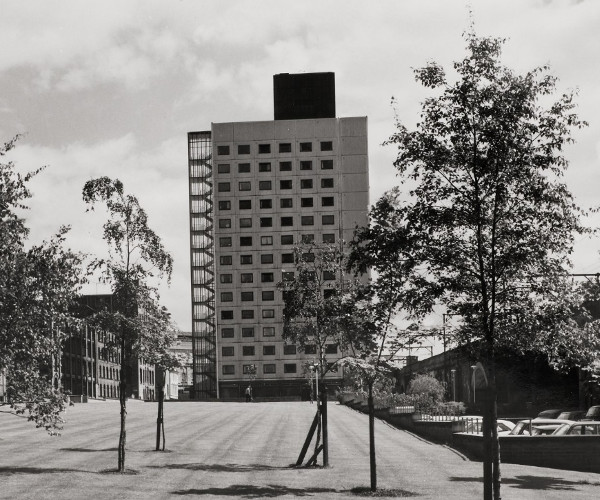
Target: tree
319,315
38,287
137,257
374,248
489,222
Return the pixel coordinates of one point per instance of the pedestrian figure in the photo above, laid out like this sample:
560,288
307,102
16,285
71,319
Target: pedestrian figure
248,394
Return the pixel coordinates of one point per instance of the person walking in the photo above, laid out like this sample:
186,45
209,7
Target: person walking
248,394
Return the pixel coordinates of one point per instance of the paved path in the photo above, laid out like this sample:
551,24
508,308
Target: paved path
238,450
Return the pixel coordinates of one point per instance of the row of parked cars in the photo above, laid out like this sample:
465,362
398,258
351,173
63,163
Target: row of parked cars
548,422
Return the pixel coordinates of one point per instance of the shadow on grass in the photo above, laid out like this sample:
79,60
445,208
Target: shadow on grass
7,471
533,482
382,493
219,467
251,491
87,450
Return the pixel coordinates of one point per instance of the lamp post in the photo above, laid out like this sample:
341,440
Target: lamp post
453,373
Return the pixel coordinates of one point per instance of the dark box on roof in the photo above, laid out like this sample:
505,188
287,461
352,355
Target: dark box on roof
303,96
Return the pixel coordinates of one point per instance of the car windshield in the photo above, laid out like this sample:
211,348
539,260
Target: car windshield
561,430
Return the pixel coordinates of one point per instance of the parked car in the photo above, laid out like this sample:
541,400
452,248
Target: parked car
554,413
476,427
537,426
587,428
571,415
593,413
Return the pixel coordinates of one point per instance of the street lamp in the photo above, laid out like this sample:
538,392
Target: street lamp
453,373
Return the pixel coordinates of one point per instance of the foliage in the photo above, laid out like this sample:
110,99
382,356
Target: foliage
488,220
141,326
38,286
427,386
320,309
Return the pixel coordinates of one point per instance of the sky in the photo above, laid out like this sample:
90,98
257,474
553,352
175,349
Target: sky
111,89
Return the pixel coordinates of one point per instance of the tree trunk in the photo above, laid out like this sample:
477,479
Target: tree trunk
491,464
373,463
123,404
324,418
160,426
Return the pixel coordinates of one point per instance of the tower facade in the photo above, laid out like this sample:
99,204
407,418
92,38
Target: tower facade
256,190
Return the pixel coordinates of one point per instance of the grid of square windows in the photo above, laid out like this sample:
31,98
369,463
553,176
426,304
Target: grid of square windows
306,202
269,350
287,239
289,368
224,223
287,221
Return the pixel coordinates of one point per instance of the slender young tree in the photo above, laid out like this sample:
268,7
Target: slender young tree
137,257
319,315
491,223
38,287
380,301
